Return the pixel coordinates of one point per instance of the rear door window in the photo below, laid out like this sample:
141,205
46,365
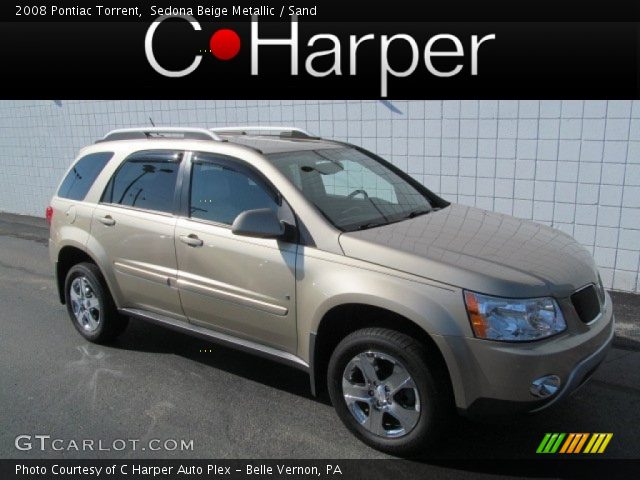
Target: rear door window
84,172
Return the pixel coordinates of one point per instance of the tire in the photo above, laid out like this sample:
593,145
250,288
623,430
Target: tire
393,356
90,304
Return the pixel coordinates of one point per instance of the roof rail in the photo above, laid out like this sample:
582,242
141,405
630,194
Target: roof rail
160,132
241,130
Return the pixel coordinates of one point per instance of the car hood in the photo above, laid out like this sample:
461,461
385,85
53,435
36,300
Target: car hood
478,250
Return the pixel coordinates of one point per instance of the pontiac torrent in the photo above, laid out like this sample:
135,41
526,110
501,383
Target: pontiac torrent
323,256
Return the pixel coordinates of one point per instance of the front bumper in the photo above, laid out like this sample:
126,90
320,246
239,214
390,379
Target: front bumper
494,378
581,373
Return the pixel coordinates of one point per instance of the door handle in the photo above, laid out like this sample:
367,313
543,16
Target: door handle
191,240
107,220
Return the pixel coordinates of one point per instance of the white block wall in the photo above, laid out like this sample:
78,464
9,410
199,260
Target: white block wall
571,164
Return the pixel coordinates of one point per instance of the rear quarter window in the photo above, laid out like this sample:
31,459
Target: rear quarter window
82,175
146,180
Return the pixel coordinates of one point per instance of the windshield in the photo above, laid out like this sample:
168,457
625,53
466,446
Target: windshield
353,190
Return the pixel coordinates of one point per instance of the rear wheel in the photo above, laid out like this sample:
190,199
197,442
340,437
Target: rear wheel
90,305
387,392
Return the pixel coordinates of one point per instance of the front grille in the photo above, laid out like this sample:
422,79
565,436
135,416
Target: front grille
586,303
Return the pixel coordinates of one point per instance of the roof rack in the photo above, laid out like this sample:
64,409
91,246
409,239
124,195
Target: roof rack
290,131
161,132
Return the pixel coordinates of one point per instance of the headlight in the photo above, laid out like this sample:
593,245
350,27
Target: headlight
513,319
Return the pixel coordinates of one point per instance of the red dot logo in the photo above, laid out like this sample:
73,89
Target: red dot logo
224,44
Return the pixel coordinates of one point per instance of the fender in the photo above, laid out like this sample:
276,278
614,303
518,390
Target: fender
429,306
433,320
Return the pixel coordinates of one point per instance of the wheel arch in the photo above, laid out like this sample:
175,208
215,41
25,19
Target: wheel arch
332,328
68,256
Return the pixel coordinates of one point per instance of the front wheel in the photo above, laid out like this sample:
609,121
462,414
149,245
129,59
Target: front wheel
387,391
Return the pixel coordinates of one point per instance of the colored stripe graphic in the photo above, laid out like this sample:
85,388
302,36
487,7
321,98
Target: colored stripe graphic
550,443
606,442
598,442
567,443
543,443
581,442
596,445
555,447
574,443
591,442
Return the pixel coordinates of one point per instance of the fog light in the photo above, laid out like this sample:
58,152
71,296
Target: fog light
546,386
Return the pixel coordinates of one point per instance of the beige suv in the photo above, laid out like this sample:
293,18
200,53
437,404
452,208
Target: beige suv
323,256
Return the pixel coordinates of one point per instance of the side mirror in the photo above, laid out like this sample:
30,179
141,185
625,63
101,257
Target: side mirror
260,223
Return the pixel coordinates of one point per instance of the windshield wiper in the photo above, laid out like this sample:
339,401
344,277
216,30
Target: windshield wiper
418,212
413,214
366,226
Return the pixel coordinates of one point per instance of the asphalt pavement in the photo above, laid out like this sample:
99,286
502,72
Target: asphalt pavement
156,384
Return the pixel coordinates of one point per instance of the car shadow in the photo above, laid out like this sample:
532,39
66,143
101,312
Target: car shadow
498,445
626,343
147,337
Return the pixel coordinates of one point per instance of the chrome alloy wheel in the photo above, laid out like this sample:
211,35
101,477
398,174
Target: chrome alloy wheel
85,304
381,394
